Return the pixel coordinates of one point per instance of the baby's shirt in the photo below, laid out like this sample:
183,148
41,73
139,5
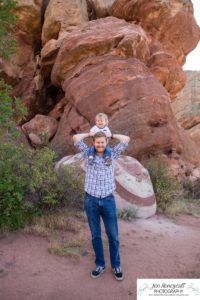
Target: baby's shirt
96,129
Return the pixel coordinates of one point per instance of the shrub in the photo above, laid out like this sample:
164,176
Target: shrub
127,213
29,184
192,189
167,189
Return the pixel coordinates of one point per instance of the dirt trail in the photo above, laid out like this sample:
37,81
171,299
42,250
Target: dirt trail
152,248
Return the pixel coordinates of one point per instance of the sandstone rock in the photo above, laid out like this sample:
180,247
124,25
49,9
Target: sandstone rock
40,129
97,38
48,56
21,67
173,32
29,27
134,187
101,8
61,16
166,69
35,139
137,105
194,133
187,105
70,122
171,22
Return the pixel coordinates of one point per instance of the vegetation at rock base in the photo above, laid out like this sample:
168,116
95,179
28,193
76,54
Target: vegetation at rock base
29,185
173,197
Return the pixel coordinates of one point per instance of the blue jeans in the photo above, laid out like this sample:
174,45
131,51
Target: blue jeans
105,208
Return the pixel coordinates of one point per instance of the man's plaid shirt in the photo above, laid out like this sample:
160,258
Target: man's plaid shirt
99,178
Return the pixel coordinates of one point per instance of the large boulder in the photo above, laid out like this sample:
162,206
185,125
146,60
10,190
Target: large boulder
63,16
171,22
133,99
173,32
99,38
134,189
40,129
99,8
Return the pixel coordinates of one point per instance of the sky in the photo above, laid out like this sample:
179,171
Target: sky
193,59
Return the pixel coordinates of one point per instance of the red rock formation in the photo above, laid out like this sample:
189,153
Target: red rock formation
63,16
21,68
187,106
172,24
40,129
129,69
98,38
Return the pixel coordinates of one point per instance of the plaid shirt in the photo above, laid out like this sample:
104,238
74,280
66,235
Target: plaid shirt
99,179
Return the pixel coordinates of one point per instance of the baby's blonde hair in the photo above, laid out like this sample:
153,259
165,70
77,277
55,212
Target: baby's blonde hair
102,116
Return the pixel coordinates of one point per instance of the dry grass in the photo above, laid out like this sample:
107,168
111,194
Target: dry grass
74,248
46,225
185,206
62,229
127,213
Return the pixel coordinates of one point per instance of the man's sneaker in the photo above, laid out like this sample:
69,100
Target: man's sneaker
90,159
97,272
108,161
118,273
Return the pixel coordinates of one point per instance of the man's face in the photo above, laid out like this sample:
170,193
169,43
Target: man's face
100,144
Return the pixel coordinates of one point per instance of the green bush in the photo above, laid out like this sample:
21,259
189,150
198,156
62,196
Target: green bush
192,189
30,185
167,189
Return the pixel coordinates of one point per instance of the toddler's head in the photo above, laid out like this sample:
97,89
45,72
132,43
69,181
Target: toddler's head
101,120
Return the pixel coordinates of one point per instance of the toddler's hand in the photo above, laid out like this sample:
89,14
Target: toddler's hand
108,134
91,133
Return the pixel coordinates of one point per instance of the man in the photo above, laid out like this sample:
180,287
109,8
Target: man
99,199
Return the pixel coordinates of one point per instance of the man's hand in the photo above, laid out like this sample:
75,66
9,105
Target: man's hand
122,138
108,134
91,133
79,137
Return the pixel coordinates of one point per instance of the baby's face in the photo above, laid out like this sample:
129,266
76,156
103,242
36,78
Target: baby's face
100,122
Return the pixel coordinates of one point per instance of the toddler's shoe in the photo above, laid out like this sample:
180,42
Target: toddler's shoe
108,161
90,159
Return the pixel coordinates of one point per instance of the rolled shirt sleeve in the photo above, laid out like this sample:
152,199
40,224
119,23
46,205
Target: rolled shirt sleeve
82,147
118,149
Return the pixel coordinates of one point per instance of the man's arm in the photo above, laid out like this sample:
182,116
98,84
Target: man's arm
78,142
120,147
122,138
80,136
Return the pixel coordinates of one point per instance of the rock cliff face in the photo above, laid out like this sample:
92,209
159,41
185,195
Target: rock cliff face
187,106
122,57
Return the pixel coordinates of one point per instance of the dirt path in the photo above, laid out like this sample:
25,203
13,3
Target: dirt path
152,248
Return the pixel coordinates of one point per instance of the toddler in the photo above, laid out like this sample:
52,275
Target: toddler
101,121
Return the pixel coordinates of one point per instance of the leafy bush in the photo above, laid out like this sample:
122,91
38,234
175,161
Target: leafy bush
192,189
167,189
29,184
